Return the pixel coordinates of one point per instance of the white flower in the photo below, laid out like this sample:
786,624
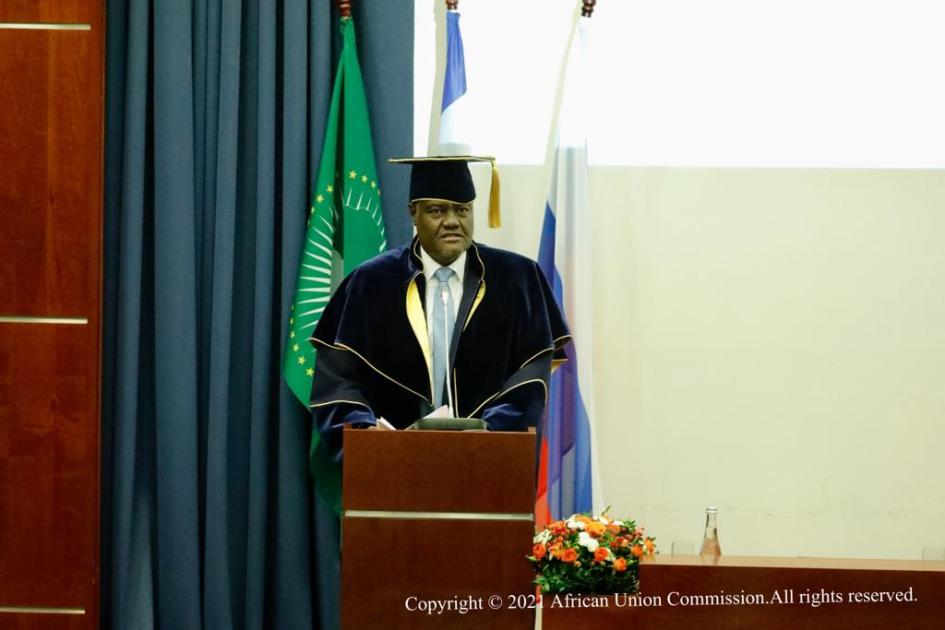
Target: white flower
588,541
573,523
543,537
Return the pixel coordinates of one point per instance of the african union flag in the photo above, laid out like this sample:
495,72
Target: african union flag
345,228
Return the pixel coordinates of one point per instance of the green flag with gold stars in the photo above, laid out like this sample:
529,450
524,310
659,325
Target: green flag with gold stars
345,228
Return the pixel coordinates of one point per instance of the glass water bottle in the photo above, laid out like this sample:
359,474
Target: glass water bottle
710,541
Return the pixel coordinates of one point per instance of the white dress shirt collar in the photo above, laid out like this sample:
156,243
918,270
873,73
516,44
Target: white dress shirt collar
430,266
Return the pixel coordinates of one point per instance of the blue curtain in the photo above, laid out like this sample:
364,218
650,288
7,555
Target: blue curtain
214,119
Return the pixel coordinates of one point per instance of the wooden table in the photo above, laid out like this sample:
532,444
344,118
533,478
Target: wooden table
768,593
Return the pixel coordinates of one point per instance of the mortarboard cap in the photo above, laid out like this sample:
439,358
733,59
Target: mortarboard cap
448,177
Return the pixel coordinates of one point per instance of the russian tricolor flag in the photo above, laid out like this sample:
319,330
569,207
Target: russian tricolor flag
567,477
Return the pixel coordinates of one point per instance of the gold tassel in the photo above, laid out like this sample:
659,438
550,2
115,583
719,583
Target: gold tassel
495,216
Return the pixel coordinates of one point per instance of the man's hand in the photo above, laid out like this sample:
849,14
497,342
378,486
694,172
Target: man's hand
384,425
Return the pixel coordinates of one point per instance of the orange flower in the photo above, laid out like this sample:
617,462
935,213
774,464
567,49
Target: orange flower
601,554
613,528
569,555
637,551
538,551
594,528
649,545
620,565
558,527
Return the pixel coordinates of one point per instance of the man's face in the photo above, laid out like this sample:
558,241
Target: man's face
445,228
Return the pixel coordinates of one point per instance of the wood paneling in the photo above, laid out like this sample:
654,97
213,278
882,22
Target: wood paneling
387,561
58,11
48,465
457,474
51,165
33,621
50,180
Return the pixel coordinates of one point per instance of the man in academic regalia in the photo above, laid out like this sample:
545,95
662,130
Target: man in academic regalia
400,320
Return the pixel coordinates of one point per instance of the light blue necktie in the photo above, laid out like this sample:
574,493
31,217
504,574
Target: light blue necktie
443,320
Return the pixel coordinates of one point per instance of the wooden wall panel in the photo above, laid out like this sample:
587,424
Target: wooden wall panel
57,11
51,167
48,466
33,621
49,214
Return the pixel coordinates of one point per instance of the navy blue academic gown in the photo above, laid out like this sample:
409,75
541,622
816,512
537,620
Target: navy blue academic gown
373,348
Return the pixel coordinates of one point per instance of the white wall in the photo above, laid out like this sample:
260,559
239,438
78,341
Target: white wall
826,83
771,341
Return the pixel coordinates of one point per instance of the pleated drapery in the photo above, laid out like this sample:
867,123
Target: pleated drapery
214,120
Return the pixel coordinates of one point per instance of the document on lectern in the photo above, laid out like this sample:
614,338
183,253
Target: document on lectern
442,412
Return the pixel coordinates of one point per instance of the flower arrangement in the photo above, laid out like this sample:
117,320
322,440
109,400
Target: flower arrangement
585,554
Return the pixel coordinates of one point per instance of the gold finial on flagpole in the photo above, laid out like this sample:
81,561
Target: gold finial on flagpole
344,8
588,8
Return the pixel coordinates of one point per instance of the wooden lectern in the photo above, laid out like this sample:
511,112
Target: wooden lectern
435,529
